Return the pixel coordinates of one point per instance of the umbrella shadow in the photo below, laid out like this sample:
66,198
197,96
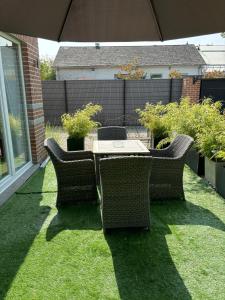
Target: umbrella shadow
186,213
85,216
144,268
21,219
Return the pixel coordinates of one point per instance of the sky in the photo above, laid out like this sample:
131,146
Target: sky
49,48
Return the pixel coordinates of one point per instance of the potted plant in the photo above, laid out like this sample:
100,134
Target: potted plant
80,124
152,118
182,118
187,118
211,142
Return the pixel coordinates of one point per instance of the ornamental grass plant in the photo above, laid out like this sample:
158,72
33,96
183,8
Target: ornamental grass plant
152,117
203,121
80,123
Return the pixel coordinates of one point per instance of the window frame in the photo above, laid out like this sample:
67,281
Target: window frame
13,174
156,74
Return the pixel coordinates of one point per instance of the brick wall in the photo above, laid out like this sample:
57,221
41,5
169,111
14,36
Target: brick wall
33,89
191,89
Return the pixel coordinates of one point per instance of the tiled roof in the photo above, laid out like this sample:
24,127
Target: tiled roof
164,55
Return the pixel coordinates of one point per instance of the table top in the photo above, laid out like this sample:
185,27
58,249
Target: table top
119,146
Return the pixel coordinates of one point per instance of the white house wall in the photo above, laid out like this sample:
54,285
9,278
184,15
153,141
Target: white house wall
213,55
108,73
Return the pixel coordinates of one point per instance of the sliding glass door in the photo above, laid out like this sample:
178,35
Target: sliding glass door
14,137
4,170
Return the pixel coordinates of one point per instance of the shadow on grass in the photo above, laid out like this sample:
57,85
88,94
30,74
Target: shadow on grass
195,184
21,219
143,266
75,217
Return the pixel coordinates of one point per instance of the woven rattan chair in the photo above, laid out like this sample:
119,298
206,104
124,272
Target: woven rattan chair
75,172
166,180
112,133
124,191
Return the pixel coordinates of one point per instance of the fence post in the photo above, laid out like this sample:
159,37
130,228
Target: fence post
171,90
124,102
65,96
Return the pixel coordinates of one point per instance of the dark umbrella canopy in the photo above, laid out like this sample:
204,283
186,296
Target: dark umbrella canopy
112,20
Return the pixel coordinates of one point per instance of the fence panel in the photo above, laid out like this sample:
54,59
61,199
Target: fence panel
53,101
213,88
138,92
108,93
119,98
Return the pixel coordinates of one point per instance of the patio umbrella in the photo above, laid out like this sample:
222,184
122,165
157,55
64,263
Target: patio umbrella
112,20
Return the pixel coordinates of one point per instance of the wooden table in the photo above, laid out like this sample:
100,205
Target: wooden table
116,148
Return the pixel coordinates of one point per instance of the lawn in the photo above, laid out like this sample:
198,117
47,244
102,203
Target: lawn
46,254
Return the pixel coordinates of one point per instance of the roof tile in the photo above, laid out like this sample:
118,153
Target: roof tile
118,55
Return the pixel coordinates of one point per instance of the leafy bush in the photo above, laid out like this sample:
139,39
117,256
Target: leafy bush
183,118
175,74
80,124
131,71
214,74
153,118
211,136
202,121
15,125
47,71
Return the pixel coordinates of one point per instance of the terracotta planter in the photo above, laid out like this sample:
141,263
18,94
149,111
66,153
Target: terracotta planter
196,162
74,144
213,172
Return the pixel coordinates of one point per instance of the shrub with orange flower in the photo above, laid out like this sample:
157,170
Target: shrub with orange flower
214,74
131,71
175,74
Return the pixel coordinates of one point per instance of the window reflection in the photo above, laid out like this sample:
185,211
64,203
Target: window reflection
3,160
15,101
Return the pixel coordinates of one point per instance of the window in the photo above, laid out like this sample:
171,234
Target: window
14,137
156,76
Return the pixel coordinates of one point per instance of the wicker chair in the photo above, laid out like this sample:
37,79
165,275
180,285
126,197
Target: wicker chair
75,172
124,191
112,133
166,180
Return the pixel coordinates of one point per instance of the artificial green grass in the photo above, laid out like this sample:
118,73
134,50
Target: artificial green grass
46,254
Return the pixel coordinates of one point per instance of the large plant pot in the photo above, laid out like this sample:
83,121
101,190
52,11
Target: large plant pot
157,140
196,162
213,170
74,144
1,148
220,184
18,145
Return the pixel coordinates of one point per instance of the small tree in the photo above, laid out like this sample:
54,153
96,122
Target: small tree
131,71
46,69
223,34
175,74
